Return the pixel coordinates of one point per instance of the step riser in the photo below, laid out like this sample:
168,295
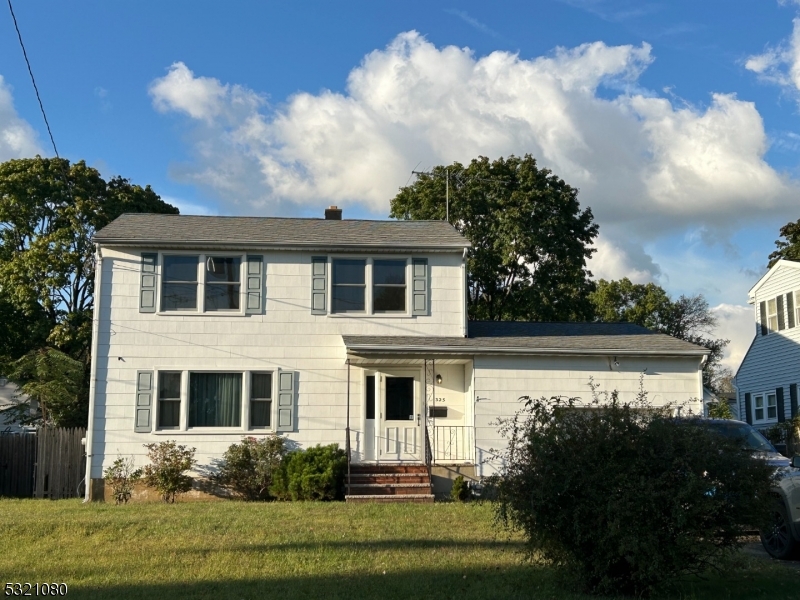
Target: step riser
388,479
357,470
390,492
365,499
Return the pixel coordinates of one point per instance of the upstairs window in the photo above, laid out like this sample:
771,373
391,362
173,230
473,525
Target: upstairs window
222,283
772,315
179,283
389,286
349,286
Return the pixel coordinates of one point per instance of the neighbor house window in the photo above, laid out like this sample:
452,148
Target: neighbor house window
765,407
389,286
260,400
348,285
215,399
179,283
169,400
222,283
797,307
772,315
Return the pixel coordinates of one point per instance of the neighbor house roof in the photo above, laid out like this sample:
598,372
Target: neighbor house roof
154,230
491,337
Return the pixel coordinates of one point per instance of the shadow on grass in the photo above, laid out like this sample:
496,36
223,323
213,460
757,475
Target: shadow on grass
516,582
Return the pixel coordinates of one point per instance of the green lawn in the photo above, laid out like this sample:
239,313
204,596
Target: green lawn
235,550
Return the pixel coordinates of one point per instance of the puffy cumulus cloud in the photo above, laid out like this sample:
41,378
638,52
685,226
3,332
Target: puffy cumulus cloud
17,137
617,259
635,157
737,324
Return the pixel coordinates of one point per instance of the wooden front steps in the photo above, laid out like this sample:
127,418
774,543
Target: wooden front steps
389,483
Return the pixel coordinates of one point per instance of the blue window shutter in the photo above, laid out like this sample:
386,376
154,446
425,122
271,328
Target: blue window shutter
255,285
147,290
420,291
748,413
319,285
144,402
286,401
793,399
790,308
781,321
779,402
762,308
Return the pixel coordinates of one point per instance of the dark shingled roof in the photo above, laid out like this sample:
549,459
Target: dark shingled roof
189,230
495,336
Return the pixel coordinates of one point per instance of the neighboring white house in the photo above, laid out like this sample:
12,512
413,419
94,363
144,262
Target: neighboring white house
211,328
767,379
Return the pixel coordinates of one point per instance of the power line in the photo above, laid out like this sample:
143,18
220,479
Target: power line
33,80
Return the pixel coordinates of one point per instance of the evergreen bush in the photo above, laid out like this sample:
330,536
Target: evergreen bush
317,473
460,492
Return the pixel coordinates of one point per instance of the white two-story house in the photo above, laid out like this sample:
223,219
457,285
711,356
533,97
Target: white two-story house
208,329
767,379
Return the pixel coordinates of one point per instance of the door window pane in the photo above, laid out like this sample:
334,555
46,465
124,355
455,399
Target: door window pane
348,286
399,398
179,283
222,283
215,399
389,286
370,396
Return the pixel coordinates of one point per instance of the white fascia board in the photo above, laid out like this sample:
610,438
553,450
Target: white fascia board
476,350
247,246
790,264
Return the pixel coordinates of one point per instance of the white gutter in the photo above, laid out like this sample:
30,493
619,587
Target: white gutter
473,350
304,247
98,293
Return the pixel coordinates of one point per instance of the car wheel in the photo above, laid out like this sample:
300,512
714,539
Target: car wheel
777,537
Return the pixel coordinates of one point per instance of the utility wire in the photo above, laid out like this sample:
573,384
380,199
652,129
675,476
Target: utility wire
33,80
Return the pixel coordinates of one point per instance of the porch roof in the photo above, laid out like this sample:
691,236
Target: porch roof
493,337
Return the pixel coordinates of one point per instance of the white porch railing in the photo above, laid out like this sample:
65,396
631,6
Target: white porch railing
453,443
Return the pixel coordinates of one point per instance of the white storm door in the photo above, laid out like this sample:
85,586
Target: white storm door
400,417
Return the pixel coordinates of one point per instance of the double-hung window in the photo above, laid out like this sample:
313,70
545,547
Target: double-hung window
169,400
179,283
222,283
765,407
349,285
772,315
388,286
261,400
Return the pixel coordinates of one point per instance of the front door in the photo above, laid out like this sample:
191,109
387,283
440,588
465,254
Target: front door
400,417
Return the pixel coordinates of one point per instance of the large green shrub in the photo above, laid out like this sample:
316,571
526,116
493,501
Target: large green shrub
623,496
248,467
316,473
166,472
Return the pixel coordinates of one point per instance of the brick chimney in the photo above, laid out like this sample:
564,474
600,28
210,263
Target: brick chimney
333,213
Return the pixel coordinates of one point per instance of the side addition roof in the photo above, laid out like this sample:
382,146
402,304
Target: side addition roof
494,337
170,231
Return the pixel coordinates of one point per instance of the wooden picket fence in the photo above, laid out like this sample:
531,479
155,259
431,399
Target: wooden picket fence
17,464
47,464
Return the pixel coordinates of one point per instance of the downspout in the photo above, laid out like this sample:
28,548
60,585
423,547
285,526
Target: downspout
464,330
98,293
347,440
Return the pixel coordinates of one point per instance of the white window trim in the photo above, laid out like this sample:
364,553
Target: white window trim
796,295
369,311
244,428
767,418
201,284
772,315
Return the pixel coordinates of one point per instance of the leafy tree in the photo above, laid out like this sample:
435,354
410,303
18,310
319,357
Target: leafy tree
50,389
789,246
530,238
622,497
46,251
688,318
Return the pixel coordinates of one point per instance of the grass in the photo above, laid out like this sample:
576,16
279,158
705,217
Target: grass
301,550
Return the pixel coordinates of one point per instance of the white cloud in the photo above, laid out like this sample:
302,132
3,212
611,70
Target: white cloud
780,64
17,137
735,323
638,159
617,259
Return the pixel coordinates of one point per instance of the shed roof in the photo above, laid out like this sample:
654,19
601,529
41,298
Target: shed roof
490,337
156,230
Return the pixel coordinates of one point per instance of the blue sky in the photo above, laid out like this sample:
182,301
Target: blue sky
677,120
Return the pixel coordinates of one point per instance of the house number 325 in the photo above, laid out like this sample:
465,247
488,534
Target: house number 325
438,399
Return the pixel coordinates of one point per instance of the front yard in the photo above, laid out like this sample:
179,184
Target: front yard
301,550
